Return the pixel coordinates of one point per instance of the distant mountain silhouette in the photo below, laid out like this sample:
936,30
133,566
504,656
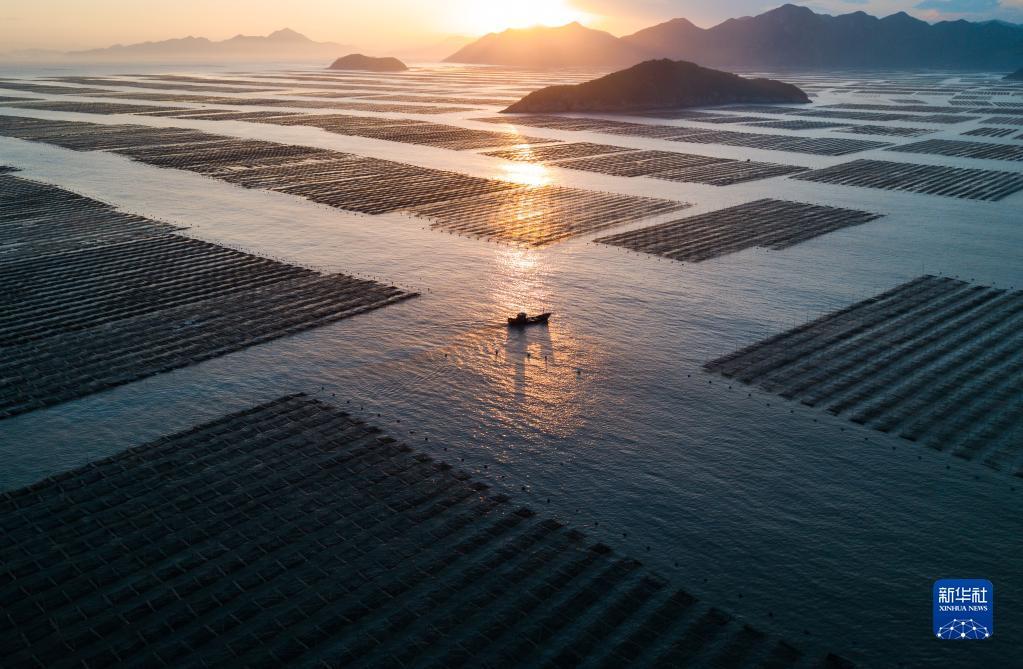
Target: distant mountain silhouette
792,36
357,61
572,45
1015,76
788,36
658,84
280,45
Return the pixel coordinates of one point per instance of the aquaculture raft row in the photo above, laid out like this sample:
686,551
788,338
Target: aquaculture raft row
934,360
293,534
828,146
796,124
541,215
638,163
407,131
94,298
156,85
555,152
989,132
455,202
695,115
930,179
937,119
92,107
961,149
176,81
909,107
681,167
884,130
49,89
79,136
486,102
37,220
823,146
937,114
223,114
283,102
767,223
394,130
667,165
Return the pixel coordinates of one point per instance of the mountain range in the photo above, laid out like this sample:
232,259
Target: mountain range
573,45
788,36
282,45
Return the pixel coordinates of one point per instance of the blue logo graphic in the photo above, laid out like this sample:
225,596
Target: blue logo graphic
964,608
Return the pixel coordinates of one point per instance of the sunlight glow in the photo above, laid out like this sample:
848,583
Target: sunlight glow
518,260
489,17
528,174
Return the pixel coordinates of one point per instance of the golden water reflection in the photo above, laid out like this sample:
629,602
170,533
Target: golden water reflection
536,374
519,281
540,379
526,173
536,377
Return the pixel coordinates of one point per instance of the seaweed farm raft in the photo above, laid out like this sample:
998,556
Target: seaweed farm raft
830,146
453,202
235,543
95,298
666,165
969,183
773,224
936,360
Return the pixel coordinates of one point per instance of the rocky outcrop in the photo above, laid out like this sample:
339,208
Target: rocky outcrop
658,84
357,61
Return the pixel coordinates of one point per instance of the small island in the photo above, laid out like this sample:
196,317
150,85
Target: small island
1015,76
357,61
658,84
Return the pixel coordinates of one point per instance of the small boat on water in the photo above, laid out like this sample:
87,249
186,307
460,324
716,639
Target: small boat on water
522,319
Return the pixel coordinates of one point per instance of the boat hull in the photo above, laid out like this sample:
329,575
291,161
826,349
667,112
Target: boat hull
529,320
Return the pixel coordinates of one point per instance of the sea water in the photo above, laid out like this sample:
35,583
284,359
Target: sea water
807,525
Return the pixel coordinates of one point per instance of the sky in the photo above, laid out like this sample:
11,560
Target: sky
384,24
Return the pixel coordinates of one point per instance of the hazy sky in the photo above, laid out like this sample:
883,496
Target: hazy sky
70,24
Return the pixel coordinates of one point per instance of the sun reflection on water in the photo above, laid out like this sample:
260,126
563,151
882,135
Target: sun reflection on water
533,374
519,282
527,174
537,378
533,384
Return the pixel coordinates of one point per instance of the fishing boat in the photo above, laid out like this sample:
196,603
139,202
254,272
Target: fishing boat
522,319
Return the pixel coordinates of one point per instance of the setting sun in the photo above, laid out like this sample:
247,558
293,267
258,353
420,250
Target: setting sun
488,17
